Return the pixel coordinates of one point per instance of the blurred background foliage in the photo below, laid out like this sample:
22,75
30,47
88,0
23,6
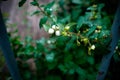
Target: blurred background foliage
79,35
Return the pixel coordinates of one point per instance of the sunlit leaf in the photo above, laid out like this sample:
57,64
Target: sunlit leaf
71,24
46,27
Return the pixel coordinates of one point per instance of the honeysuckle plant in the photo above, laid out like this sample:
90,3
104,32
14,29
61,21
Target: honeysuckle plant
79,35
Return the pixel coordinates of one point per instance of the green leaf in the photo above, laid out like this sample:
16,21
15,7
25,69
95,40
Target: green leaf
48,8
80,22
80,71
40,47
68,57
50,57
61,41
28,39
91,30
90,60
61,26
43,21
71,71
46,27
71,24
81,55
70,44
34,3
27,74
62,68
77,1
52,65
49,5
35,12
76,13
41,41
53,77
21,3
65,19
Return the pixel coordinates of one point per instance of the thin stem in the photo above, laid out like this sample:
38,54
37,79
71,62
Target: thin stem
45,13
79,35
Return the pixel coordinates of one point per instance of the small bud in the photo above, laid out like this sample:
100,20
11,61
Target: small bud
96,16
97,31
99,27
94,5
51,31
93,47
53,26
64,33
87,30
57,27
57,33
85,40
67,27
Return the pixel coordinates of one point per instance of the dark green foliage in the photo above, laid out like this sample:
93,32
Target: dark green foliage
21,3
34,3
75,54
43,21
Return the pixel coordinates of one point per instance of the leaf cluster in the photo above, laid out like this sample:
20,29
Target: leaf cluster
76,53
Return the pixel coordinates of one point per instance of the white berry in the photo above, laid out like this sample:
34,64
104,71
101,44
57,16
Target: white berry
54,26
57,33
93,47
51,31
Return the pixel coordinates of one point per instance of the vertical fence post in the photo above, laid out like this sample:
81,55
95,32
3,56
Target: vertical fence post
7,51
115,37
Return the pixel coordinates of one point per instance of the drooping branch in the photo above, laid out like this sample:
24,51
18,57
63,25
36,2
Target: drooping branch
115,37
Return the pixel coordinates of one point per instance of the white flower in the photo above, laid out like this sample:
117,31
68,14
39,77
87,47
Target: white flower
51,31
93,47
57,33
53,26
